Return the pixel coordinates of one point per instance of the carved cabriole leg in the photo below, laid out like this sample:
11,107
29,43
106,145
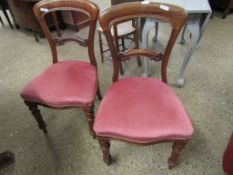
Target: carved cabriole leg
89,112
105,146
33,107
176,150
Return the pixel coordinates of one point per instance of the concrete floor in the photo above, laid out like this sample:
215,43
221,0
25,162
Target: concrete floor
69,150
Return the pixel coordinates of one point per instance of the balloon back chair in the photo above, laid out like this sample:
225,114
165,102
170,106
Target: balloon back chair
138,109
69,83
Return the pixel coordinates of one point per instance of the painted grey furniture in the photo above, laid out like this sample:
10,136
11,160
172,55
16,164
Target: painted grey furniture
199,12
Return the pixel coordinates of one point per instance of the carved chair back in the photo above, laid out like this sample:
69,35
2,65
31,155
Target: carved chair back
90,9
114,15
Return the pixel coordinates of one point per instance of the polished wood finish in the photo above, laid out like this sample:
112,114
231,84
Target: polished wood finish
92,11
176,17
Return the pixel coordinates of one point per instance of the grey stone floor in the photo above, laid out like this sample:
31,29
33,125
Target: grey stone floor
69,150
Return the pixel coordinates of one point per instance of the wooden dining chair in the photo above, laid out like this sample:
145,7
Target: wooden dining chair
70,83
125,30
142,110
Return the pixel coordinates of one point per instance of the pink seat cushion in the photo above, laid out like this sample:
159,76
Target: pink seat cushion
228,157
142,110
66,83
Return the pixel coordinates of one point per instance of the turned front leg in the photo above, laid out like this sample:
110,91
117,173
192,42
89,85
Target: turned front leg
105,147
89,112
176,150
33,107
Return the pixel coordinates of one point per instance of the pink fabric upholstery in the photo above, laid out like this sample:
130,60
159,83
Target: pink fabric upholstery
66,83
228,157
142,110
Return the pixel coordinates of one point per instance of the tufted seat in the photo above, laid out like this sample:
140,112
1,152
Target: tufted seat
130,113
66,83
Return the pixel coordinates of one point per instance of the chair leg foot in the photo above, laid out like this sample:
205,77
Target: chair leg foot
33,107
105,147
176,150
89,112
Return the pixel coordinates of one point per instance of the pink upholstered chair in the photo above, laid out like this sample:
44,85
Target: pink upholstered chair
228,157
137,109
70,83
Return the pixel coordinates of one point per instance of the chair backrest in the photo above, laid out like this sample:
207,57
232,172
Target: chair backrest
114,15
90,9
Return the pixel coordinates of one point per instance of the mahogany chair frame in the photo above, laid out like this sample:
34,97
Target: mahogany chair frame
91,10
176,17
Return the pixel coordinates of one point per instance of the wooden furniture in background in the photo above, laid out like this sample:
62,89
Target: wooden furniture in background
4,6
122,31
142,110
22,12
224,5
75,20
23,15
69,83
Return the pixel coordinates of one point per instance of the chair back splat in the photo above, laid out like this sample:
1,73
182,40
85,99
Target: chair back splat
174,15
65,83
91,10
142,110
